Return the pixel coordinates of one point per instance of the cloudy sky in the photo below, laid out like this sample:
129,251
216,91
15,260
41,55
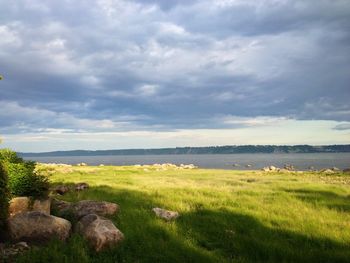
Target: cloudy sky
114,74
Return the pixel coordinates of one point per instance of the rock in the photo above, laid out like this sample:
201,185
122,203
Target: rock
81,186
43,205
99,232
101,208
346,170
335,169
61,189
22,245
165,214
60,206
84,207
311,168
101,165
272,168
81,164
289,167
23,204
235,165
327,171
10,252
248,166
188,166
38,227
19,205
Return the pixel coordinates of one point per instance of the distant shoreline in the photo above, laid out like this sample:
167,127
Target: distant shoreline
267,149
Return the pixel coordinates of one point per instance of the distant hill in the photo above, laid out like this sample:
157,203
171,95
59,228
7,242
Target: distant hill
202,150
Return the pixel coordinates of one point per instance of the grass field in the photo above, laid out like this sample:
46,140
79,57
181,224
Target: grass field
226,216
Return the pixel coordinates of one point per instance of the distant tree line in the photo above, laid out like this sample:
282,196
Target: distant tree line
202,150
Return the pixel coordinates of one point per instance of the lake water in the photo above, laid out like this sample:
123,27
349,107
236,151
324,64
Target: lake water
301,161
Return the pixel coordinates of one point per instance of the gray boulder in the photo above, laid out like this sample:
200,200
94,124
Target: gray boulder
60,206
85,207
99,232
101,208
38,227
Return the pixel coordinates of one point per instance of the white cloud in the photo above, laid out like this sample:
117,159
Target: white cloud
9,38
147,90
286,132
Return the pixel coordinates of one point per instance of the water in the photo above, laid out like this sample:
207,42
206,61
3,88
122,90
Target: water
301,161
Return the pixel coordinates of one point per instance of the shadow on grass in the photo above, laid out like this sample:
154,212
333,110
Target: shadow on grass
197,236
327,199
147,238
243,238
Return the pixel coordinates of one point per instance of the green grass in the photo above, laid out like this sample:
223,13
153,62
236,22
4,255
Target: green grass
226,216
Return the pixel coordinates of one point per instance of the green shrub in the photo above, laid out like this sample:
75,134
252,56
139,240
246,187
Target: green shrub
7,155
22,178
4,199
23,181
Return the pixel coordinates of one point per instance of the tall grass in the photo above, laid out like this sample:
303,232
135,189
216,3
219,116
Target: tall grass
226,216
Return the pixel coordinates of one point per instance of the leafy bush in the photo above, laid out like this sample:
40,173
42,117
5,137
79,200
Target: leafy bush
23,181
4,198
22,178
7,155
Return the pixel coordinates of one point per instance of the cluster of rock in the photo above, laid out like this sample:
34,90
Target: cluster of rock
36,224
286,169
31,221
289,168
166,166
99,231
270,168
51,168
334,170
55,164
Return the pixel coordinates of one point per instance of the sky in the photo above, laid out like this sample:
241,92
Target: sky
116,74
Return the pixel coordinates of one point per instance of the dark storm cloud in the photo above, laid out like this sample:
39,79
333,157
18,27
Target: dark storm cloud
162,65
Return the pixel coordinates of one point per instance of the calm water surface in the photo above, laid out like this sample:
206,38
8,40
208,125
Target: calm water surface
301,161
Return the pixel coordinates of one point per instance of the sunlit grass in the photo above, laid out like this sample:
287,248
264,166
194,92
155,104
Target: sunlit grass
226,216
